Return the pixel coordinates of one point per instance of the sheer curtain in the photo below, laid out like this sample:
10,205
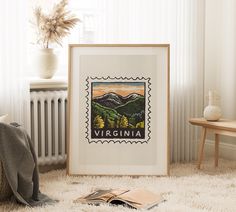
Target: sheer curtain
179,23
220,63
14,92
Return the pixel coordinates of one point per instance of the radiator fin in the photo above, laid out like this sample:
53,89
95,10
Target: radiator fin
48,126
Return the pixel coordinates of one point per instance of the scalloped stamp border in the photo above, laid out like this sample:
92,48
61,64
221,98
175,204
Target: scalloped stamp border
146,139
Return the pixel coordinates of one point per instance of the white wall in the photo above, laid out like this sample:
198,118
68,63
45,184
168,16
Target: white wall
220,55
212,37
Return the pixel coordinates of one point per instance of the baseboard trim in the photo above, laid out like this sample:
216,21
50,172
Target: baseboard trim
47,168
226,151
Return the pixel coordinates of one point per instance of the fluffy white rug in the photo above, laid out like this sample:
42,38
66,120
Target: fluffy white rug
187,189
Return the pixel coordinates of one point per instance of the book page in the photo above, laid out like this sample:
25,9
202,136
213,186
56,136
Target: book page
139,198
101,195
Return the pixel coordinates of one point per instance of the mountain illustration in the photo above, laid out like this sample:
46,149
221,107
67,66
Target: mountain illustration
118,110
102,111
135,105
132,96
113,100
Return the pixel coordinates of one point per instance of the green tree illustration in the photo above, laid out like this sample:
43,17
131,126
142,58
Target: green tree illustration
140,124
98,122
106,122
111,124
116,123
124,123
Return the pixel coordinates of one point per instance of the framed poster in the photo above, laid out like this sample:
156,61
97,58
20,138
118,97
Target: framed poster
118,109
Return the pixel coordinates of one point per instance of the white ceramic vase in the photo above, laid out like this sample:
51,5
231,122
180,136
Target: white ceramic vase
46,63
212,112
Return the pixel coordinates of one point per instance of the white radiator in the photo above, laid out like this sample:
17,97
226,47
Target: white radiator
48,126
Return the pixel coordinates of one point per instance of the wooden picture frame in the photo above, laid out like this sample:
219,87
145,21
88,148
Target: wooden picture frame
118,119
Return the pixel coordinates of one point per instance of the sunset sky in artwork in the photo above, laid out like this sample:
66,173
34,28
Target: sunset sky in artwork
121,88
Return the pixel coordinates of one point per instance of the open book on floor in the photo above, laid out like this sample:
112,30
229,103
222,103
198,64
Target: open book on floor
136,198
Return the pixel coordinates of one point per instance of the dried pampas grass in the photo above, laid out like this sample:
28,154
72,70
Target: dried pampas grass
52,28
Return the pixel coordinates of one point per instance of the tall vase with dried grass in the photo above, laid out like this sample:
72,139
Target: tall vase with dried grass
51,29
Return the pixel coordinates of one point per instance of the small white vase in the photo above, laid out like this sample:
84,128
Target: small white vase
212,112
45,63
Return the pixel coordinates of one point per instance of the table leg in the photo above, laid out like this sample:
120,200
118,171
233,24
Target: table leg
217,141
201,147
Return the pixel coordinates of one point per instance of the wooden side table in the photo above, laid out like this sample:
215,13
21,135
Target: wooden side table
221,127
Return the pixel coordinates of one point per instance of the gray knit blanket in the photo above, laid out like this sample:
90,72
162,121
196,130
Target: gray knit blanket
20,165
